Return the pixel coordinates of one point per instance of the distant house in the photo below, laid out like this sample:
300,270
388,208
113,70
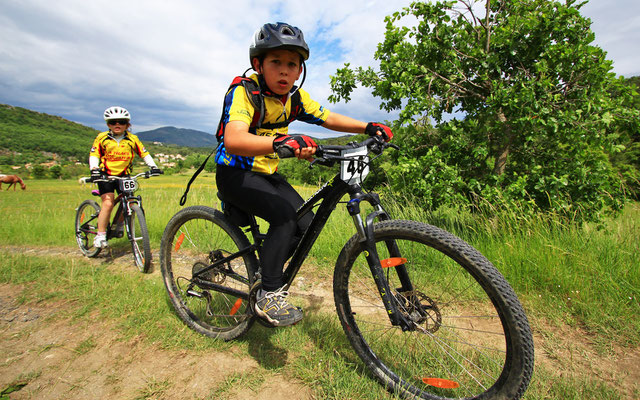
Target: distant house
165,158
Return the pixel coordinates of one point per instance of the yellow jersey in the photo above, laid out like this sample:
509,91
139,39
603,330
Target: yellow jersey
238,107
116,157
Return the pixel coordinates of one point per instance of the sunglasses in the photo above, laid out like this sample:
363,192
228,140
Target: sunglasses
118,121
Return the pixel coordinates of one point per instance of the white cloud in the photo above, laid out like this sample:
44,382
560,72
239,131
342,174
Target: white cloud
169,62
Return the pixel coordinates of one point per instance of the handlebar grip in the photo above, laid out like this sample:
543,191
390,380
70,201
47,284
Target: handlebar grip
285,152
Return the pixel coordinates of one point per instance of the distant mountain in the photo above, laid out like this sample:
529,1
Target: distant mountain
178,136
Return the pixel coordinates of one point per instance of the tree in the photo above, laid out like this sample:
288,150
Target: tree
533,113
39,172
55,172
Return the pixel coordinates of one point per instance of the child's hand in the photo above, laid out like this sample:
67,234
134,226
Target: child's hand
374,128
299,146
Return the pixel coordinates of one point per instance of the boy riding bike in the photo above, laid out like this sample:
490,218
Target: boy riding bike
112,153
253,134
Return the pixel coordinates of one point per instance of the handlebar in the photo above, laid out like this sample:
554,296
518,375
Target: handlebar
330,154
146,175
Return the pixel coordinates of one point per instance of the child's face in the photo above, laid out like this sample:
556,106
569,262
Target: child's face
281,69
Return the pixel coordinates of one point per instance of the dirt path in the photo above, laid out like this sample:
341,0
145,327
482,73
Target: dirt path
50,356
47,355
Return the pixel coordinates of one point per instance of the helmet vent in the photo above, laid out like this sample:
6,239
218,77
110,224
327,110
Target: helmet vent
287,31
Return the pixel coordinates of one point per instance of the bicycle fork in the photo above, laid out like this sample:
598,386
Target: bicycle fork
367,238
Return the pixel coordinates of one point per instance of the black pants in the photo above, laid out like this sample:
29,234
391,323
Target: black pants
273,199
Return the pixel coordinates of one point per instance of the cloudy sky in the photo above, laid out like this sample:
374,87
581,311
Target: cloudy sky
169,62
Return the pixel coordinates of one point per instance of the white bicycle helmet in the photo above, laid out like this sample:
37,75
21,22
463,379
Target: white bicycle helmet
116,112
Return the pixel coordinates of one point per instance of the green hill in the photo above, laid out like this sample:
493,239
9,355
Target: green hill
28,136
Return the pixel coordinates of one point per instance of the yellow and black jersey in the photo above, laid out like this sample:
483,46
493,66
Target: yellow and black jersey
116,157
238,107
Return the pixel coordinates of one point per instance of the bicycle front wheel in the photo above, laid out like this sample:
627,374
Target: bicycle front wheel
139,237
87,227
208,283
467,335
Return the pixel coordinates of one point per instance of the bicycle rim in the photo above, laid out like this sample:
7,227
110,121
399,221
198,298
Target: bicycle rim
139,237
86,227
194,239
469,337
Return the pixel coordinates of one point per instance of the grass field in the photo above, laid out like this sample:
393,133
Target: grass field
579,285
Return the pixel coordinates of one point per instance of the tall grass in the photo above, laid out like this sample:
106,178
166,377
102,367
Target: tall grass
586,277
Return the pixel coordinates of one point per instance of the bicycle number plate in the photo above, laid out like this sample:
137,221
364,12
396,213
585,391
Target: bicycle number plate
129,185
356,168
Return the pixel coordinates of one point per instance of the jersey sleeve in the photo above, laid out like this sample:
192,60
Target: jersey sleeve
139,147
240,108
96,148
311,111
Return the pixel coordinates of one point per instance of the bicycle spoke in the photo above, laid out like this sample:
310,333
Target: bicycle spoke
455,345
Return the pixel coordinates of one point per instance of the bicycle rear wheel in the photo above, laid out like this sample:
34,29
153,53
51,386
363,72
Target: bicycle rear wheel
86,225
139,237
215,301
468,335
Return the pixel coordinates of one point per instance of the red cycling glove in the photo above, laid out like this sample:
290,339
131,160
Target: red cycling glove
373,128
286,145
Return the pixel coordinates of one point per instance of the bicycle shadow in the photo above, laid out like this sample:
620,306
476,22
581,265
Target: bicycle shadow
117,252
319,326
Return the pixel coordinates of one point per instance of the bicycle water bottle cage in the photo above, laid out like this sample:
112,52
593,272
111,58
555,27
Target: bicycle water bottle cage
234,214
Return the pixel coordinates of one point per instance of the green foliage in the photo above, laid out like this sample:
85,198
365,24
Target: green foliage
55,172
39,172
536,118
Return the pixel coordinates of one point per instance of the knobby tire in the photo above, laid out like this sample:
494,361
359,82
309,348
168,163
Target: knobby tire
139,237
85,230
470,330
194,239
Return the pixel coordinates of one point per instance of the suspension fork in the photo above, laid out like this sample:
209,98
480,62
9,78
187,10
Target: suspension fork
125,211
367,240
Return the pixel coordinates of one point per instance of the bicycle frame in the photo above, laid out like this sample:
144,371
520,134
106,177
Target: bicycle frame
124,201
328,197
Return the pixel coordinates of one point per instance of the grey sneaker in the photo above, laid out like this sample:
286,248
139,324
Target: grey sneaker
273,307
100,242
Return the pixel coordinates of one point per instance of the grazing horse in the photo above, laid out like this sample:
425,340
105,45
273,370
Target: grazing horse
12,180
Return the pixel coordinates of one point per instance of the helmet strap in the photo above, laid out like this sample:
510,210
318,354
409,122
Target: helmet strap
304,73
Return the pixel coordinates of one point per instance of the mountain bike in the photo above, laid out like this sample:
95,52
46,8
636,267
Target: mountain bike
429,315
129,217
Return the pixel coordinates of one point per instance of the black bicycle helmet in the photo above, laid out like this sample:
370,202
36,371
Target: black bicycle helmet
278,36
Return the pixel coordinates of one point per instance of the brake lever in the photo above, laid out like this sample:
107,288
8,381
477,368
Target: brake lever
321,161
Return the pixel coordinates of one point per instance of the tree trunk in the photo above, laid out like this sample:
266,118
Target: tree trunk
503,152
